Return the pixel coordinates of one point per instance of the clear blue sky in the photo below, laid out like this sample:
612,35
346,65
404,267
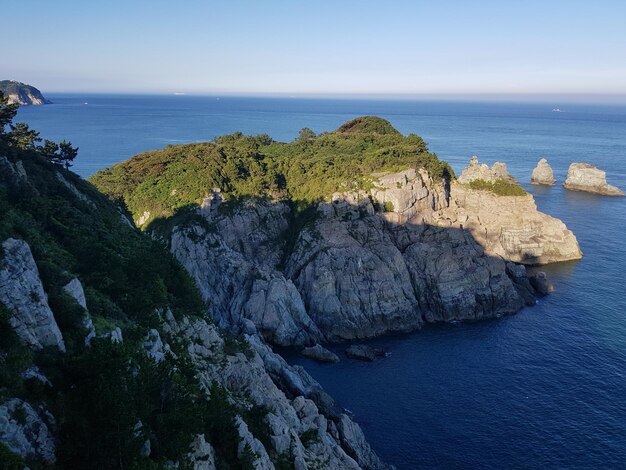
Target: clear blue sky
317,47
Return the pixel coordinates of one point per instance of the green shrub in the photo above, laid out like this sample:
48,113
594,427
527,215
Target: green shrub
499,187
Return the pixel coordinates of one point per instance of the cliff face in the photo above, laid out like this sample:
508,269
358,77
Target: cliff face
22,94
440,252
63,324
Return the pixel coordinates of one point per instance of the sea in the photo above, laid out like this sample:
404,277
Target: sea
544,388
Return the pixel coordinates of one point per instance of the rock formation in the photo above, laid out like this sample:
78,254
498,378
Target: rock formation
588,178
20,93
320,353
22,293
542,174
408,251
480,171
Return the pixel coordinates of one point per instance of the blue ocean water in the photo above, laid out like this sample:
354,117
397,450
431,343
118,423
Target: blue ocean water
545,388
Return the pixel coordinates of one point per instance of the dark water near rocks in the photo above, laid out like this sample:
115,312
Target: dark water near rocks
545,388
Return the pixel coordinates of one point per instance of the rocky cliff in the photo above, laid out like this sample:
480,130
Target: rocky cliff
22,94
438,252
108,357
588,178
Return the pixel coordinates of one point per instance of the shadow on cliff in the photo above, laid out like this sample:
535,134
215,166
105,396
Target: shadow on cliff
360,273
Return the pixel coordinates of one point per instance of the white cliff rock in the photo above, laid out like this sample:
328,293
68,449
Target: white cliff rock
24,432
480,171
588,178
542,174
202,455
23,295
75,290
296,402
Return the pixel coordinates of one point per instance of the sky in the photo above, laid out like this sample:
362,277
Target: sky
322,47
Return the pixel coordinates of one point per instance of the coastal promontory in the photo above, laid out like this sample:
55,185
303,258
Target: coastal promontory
22,94
345,235
586,177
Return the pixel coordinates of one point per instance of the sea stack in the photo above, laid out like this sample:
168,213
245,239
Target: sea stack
542,174
588,178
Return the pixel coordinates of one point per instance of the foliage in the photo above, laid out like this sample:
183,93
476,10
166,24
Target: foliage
499,187
110,397
10,460
304,171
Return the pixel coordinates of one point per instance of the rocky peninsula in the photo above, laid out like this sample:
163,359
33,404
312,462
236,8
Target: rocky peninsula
384,251
542,174
22,94
586,177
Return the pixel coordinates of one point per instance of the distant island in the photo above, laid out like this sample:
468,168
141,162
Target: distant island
21,93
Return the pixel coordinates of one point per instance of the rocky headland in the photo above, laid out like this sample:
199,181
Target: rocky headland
109,357
402,248
542,174
586,177
22,94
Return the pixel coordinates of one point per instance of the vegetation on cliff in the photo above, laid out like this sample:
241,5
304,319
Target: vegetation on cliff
498,187
308,169
98,393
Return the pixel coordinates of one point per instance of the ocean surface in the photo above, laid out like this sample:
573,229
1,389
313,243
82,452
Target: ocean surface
545,388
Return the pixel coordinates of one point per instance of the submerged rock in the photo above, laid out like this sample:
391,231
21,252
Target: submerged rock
320,353
364,352
588,178
542,174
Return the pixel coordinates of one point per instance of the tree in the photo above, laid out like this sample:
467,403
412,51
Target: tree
7,113
306,134
66,154
22,136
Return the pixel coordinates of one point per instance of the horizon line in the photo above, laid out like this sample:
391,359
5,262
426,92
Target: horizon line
570,97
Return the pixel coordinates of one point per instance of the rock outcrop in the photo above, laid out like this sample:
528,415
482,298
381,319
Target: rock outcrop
363,352
22,293
298,406
588,178
20,93
408,251
542,174
480,171
24,431
320,353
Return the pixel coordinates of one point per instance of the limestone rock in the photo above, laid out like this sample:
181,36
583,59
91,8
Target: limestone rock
542,174
480,171
320,353
588,178
202,455
22,294
363,352
25,432
75,290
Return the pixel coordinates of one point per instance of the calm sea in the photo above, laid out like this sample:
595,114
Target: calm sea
545,388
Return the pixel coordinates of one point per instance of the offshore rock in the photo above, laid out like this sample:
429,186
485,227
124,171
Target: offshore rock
320,353
364,352
23,295
588,178
542,174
